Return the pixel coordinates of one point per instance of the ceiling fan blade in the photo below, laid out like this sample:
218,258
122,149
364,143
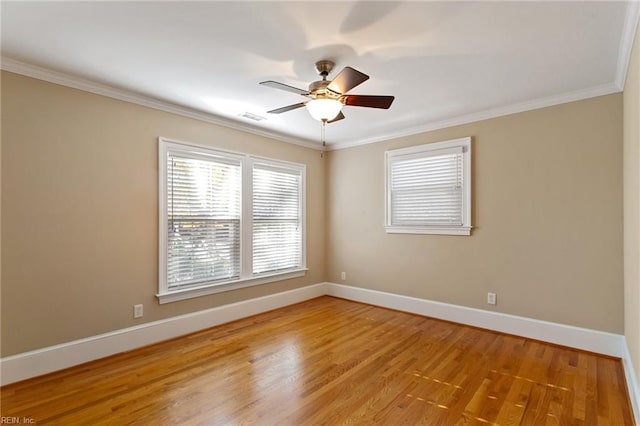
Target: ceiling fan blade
383,102
285,87
346,80
286,108
340,116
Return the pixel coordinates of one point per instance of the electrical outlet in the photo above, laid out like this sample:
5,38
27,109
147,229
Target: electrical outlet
137,311
491,298
343,276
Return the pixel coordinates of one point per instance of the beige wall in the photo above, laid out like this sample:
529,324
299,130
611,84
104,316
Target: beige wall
80,212
632,205
547,211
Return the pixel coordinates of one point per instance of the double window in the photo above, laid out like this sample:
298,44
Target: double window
227,220
428,188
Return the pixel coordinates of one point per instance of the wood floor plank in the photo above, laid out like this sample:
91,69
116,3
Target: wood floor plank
331,361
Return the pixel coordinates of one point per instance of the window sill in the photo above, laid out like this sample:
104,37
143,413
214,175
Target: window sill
436,230
189,293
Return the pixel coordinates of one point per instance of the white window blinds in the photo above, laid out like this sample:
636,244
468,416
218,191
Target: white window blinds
428,188
277,224
203,219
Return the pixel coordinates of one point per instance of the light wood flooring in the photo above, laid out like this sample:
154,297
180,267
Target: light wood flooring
331,361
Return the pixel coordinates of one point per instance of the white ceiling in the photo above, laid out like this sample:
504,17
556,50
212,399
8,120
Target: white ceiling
445,62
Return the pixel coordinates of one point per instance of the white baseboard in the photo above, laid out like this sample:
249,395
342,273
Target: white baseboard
632,383
42,361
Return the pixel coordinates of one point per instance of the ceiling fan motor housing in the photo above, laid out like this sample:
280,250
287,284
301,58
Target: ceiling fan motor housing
318,90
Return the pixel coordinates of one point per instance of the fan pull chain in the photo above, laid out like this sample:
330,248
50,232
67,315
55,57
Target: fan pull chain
322,137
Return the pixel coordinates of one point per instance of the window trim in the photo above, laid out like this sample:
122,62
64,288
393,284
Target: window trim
247,278
428,149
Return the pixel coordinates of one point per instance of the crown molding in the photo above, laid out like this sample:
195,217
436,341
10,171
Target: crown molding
56,77
605,89
626,41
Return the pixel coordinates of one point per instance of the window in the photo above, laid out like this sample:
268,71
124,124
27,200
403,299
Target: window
203,219
227,220
276,219
428,188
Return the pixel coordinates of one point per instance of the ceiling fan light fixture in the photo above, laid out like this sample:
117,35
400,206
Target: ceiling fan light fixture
324,109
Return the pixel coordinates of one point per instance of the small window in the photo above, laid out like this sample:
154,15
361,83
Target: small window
428,188
227,220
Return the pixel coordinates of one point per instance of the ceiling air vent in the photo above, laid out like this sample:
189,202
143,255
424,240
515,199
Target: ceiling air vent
252,116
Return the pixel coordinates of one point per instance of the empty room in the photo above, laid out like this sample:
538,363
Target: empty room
300,213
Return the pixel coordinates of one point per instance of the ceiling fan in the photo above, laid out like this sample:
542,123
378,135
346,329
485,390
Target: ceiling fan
329,96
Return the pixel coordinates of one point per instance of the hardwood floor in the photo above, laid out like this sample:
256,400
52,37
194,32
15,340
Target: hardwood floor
331,361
